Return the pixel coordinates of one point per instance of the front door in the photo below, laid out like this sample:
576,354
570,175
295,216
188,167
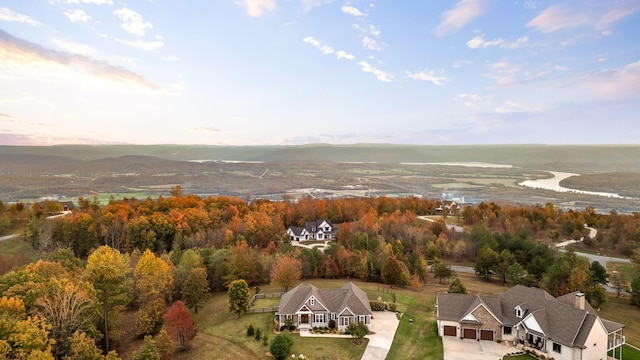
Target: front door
304,319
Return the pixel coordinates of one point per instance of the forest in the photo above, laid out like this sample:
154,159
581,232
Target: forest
162,257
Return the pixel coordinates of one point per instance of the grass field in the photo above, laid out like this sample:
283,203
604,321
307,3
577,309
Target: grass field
628,353
627,270
17,245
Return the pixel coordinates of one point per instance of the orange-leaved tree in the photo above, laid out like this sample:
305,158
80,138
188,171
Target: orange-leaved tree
179,324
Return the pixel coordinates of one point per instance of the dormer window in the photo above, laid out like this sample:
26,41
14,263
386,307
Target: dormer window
519,312
312,301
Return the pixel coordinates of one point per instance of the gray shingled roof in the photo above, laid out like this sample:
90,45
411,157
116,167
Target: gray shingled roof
560,320
335,300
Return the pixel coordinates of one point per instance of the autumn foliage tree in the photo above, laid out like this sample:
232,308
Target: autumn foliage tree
191,279
286,271
180,324
238,297
153,284
108,271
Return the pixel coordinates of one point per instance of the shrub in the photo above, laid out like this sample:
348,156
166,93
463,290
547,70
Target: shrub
265,340
377,305
292,327
280,346
332,324
283,327
258,335
250,330
393,307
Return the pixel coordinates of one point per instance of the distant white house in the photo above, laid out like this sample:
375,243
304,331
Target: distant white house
313,230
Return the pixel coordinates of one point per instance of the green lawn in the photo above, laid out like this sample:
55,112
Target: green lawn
626,269
620,310
17,245
519,357
628,353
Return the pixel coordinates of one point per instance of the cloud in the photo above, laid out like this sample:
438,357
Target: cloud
556,17
480,42
143,45
257,8
428,76
73,47
348,9
171,58
470,100
9,15
460,15
77,15
374,30
22,51
310,4
379,74
324,48
207,128
617,84
371,44
344,55
95,2
132,22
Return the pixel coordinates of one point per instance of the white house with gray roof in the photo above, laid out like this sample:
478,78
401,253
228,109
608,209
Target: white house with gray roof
563,328
307,306
312,230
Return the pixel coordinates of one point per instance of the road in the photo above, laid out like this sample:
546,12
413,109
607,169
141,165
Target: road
450,227
7,237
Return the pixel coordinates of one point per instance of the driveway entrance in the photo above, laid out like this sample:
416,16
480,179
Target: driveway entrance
459,349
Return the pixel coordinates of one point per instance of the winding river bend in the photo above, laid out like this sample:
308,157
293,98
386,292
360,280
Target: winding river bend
554,185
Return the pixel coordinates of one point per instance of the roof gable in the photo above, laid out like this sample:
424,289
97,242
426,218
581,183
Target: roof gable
332,300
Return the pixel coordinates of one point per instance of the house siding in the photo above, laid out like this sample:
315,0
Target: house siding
597,336
443,323
487,322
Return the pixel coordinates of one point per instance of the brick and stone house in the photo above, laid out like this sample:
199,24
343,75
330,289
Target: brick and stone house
307,306
566,327
313,230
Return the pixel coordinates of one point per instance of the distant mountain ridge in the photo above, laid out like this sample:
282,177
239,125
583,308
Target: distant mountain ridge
560,157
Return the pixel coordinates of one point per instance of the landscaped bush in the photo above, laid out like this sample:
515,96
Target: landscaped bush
250,330
393,307
280,346
283,327
332,324
258,335
378,305
292,327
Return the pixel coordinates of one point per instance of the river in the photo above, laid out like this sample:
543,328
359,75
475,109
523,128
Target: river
554,185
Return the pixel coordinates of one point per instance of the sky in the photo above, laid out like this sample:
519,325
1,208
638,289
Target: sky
288,72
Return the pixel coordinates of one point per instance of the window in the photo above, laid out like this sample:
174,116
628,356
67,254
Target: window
320,236
361,319
319,318
507,330
333,316
345,321
312,301
557,348
519,312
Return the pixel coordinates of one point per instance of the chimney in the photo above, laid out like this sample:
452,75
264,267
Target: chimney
579,300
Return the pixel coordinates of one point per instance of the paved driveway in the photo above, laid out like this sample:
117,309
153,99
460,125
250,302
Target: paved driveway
384,325
458,349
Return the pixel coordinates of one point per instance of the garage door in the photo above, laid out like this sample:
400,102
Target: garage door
450,331
469,333
486,335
